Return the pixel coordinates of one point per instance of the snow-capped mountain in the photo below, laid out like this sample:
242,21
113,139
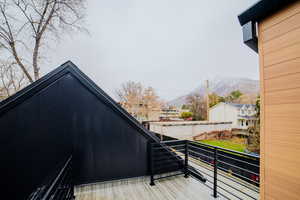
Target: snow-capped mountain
222,87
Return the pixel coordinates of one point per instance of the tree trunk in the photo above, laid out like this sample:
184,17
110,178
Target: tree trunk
20,63
36,70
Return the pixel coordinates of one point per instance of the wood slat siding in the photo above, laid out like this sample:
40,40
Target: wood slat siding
279,51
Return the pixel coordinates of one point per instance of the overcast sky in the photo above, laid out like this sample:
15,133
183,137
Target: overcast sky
170,45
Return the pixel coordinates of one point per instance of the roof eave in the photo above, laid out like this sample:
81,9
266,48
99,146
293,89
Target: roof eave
260,10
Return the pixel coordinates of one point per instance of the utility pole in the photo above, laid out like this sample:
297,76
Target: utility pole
207,100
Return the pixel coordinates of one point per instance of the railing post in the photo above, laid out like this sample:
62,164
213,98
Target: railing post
215,194
186,159
151,164
72,180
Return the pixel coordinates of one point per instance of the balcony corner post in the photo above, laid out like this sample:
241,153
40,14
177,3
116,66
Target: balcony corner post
186,159
150,158
215,194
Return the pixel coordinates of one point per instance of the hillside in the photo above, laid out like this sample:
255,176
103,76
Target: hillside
222,87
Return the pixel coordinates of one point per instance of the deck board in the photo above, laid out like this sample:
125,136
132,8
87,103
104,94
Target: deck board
138,188
170,188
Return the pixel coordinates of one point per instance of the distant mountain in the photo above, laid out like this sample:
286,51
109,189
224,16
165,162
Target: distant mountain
222,87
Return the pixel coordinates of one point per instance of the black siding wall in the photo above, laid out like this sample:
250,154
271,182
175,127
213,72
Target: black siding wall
63,118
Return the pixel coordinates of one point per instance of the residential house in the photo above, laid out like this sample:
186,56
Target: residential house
141,111
242,116
272,28
171,113
187,129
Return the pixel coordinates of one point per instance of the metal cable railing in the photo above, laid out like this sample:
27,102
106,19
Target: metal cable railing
164,160
230,174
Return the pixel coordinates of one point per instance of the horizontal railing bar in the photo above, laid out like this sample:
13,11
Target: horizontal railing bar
223,149
229,192
155,148
204,173
178,145
196,147
236,189
158,158
172,141
238,182
220,154
201,154
178,150
201,160
223,175
167,153
238,167
239,175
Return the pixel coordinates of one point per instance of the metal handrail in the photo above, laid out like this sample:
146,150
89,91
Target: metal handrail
55,182
243,166
53,189
226,150
157,164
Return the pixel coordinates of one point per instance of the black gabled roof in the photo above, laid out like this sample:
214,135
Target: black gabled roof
65,69
262,9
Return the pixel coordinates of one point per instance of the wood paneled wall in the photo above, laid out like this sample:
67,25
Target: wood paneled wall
279,51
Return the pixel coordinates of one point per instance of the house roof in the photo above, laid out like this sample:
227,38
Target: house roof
63,70
237,105
262,9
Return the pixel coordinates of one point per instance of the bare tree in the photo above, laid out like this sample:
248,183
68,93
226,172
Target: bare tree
151,102
25,26
130,96
11,79
197,106
137,100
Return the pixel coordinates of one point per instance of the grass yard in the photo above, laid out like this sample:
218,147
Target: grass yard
234,144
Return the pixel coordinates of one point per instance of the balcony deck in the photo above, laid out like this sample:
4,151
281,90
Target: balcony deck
171,188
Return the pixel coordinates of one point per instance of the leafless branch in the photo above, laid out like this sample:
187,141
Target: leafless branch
30,23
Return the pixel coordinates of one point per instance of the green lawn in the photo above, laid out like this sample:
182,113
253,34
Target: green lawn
226,144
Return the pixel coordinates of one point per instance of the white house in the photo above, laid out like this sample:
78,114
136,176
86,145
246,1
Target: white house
241,115
187,130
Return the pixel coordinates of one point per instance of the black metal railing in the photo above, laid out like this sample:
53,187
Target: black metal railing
164,160
59,186
228,173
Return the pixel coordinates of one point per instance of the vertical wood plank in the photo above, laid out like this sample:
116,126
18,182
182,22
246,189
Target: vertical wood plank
262,115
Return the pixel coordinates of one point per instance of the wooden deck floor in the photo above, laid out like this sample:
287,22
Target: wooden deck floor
171,188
